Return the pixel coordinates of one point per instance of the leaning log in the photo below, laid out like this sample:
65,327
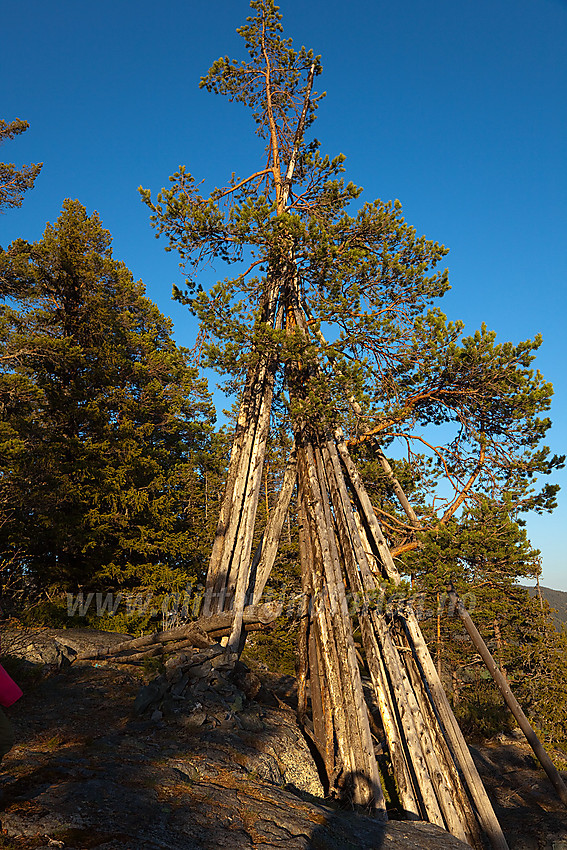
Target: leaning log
354,554
455,781
485,813
509,697
436,793
376,546
267,550
367,769
259,384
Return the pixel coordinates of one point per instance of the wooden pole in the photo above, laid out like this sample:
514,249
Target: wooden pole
398,490
234,499
321,710
246,493
267,550
367,511
485,812
332,696
509,697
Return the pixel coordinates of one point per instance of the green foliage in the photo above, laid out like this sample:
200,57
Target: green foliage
13,181
467,409
153,667
485,554
538,670
106,430
275,648
49,612
482,712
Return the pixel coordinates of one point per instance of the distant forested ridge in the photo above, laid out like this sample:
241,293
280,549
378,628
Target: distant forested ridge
557,600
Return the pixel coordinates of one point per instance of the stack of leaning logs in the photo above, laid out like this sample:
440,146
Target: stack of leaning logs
344,559
344,556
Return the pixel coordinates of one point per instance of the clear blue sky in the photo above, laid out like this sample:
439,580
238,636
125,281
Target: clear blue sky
456,108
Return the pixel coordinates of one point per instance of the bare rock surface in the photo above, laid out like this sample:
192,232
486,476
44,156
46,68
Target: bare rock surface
525,802
55,646
214,769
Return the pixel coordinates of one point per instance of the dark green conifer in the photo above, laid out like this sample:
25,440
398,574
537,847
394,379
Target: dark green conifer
105,426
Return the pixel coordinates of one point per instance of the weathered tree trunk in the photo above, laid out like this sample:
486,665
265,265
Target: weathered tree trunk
238,576
233,539
332,626
353,545
448,766
267,550
305,635
376,543
458,745
455,740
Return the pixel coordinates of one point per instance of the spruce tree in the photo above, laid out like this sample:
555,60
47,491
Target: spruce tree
105,426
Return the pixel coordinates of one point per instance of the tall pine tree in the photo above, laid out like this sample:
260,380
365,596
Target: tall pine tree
370,281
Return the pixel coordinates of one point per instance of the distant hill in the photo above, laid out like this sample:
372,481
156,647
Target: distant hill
557,599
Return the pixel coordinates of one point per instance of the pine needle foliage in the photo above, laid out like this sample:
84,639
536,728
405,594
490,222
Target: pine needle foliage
14,182
465,410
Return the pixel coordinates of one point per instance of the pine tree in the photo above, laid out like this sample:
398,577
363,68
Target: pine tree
538,671
371,281
391,370
105,426
488,557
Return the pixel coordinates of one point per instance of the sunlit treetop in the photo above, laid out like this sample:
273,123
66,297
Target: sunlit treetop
14,182
367,284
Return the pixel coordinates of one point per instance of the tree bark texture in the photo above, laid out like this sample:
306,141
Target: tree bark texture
356,769
427,770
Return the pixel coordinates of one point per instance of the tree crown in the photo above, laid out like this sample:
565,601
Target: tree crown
366,279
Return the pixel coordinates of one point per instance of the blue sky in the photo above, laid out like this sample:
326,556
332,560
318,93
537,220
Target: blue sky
456,108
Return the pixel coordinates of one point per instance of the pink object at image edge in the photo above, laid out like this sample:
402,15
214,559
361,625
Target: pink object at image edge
9,690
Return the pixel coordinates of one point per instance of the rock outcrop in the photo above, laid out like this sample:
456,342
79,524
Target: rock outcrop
225,766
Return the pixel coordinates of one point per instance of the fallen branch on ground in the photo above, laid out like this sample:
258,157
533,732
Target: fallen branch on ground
198,633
